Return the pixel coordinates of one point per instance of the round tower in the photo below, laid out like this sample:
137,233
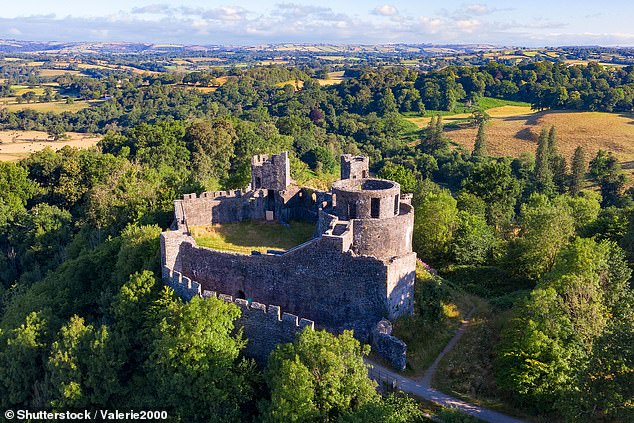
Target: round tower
383,224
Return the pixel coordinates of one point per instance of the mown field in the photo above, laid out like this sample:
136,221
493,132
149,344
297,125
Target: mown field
16,145
514,129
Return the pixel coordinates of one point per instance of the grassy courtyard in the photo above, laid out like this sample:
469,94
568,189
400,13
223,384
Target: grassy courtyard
245,237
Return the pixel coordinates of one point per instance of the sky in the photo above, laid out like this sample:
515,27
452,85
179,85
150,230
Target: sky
531,23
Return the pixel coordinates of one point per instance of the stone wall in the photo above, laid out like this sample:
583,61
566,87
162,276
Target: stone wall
272,173
392,349
183,286
219,207
385,238
315,280
354,167
355,198
264,327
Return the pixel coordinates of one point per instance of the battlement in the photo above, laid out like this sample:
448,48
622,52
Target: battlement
354,167
183,286
273,313
263,327
272,172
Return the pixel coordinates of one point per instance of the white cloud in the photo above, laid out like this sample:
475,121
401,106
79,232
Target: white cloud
292,22
385,10
468,25
478,9
431,25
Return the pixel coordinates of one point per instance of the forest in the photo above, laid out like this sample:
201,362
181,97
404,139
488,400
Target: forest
544,240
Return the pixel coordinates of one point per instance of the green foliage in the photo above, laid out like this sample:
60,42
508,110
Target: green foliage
492,182
21,362
480,148
400,174
578,171
549,344
606,170
543,174
82,367
435,221
545,229
392,409
15,190
194,367
320,377
212,148
473,240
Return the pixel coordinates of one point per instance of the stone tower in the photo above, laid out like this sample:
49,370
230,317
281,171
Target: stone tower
382,227
272,173
354,167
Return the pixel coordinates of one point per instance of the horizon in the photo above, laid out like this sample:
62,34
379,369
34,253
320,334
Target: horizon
249,23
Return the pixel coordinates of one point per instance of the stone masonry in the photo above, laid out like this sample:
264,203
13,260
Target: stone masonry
357,271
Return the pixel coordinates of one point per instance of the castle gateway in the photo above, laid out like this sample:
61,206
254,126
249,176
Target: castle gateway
357,272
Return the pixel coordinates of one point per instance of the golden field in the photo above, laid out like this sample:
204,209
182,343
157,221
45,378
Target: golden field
16,145
514,130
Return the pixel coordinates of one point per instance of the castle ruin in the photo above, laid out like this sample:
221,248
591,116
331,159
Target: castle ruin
357,272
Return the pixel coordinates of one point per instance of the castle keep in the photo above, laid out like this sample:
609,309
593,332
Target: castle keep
357,272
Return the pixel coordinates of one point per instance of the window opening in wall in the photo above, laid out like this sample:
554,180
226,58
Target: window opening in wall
375,207
258,182
396,198
365,174
352,210
270,199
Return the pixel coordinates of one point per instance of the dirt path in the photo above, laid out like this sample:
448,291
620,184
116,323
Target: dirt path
422,387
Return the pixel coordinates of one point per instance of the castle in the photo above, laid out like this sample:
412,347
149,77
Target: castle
357,272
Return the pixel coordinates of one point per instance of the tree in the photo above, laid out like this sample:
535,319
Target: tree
15,190
578,171
212,147
387,103
398,173
606,169
21,362
473,240
194,368
545,229
480,148
543,177
493,182
82,367
319,377
436,219
544,354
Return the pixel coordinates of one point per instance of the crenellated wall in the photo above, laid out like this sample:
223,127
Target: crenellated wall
358,270
264,327
219,207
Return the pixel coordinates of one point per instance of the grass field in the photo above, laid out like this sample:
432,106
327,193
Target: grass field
510,134
53,106
245,237
514,129
16,145
57,72
333,78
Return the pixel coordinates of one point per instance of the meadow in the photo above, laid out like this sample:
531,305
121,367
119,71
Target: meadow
16,145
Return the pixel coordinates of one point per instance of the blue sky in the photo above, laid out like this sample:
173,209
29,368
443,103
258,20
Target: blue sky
249,22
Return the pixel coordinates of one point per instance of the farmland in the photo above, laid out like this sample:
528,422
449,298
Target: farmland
16,145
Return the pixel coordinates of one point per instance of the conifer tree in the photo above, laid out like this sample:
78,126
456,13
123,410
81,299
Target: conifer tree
556,162
480,148
553,152
543,177
578,170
